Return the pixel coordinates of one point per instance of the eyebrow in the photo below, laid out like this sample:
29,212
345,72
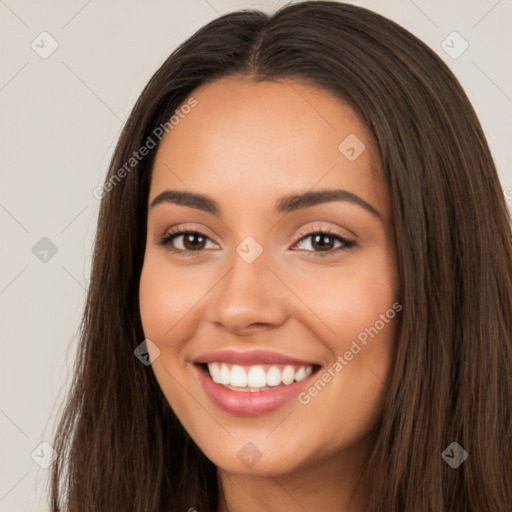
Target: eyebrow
285,204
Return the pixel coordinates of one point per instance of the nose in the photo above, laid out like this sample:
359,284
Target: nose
250,297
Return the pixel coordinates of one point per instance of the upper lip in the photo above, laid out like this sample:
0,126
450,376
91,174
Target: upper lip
249,358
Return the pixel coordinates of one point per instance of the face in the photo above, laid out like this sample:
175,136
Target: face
296,299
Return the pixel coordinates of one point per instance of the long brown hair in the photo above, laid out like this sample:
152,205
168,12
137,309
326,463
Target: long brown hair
120,445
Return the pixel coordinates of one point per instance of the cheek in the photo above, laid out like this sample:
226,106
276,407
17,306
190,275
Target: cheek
165,297
352,298
361,307
154,303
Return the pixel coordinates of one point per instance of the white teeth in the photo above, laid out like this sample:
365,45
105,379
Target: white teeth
254,378
288,375
238,377
247,389
214,372
225,375
274,376
301,374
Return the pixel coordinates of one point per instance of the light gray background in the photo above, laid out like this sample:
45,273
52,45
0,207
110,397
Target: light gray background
60,118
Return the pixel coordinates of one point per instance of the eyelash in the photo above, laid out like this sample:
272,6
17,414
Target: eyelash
348,244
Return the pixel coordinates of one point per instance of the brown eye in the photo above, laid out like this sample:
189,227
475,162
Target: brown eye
190,241
323,243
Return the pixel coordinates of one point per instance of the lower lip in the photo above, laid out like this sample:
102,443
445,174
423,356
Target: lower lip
247,403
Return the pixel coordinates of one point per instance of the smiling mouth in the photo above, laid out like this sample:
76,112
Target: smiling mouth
256,378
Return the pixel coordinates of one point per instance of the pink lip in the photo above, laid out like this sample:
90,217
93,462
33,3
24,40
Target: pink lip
249,358
246,403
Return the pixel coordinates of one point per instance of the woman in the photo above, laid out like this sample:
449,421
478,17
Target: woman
301,287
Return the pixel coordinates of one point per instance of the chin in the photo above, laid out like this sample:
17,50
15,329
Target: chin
251,458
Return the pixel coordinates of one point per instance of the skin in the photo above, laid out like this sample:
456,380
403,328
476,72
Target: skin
246,145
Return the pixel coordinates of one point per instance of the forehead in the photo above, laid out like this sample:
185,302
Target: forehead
267,139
